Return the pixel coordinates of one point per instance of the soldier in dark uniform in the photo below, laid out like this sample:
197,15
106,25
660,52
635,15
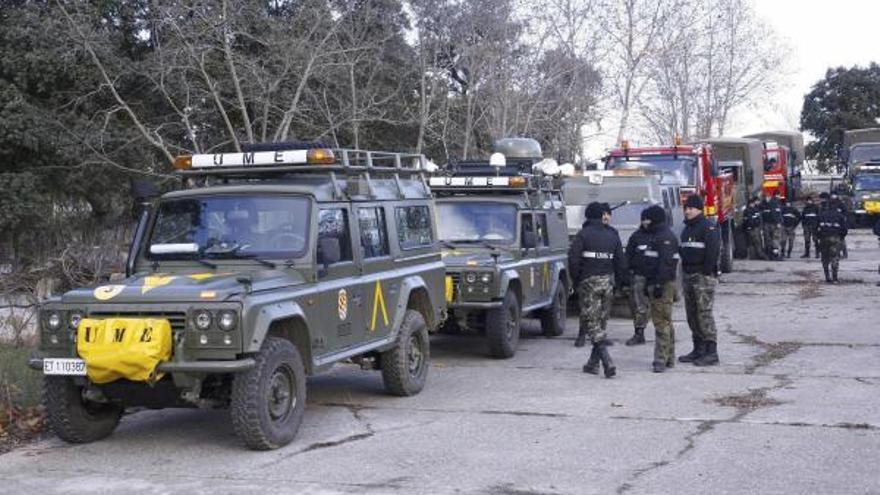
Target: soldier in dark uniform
771,218
838,204
699,250
753,227
832,231
810,223
791,217
596,262
877,233
637,263
661,268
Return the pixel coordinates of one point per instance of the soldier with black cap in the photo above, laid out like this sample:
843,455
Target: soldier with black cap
596,262
661,267
771,218
699,250
810,223
753,227
791,217
637,261
832,232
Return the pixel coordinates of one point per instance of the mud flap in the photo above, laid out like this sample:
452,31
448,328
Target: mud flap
129,348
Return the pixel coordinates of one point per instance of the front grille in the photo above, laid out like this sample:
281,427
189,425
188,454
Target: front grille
176,318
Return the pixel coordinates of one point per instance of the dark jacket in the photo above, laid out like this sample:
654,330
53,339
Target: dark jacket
791,217
597,250
771,211
840,206
752,218
810,216
663,253
832,223
700,246
636,260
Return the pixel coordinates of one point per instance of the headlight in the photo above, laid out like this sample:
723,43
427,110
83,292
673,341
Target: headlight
74,319
203,319
53,320
227,320
470,277
486,278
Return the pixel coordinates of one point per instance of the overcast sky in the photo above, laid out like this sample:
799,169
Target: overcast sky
822,34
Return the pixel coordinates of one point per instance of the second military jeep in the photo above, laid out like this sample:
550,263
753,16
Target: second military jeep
503,231
270,265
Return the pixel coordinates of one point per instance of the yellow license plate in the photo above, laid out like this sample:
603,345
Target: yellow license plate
129,348
771,183
872,206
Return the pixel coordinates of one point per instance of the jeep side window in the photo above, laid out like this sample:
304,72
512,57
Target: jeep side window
527,226
543,234
374,236
413,226
333,223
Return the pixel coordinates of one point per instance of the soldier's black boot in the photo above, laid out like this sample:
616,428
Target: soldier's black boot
581,339
827,274
658,366
709,356
592,366
806,254
637,338
694,354
607,363
834,275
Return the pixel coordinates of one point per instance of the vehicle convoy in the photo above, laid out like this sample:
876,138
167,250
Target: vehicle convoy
503,230
723,171
628,191
862,163
267,266
783,162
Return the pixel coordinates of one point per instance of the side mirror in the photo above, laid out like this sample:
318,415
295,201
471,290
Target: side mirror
530,240
329,250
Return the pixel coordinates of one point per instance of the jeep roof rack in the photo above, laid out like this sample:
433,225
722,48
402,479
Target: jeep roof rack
292,159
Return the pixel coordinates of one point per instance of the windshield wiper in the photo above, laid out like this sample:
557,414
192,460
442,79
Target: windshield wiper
270,264
207,263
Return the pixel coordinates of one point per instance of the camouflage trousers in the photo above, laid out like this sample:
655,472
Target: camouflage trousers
810,236
699,297
639,303
772,233
788,235
829,248
756,245
664,331
595,295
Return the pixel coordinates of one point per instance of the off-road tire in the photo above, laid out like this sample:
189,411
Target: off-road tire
279,367
405,366
503,326
553,317
71,418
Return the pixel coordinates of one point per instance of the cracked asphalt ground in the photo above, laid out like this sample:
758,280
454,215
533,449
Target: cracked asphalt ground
793,408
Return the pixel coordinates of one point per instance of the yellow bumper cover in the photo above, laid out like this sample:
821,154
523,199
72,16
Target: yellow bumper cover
129,348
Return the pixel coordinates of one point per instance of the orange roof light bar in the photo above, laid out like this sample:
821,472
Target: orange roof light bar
320,156
183,162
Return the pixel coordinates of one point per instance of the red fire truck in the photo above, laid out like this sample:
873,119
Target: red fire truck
723,171
783,161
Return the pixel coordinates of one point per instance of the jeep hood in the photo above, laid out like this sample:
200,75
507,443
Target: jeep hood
182,287
472,258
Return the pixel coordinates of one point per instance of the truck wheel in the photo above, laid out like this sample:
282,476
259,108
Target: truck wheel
502,327
268,401
74,419
405,367
553,317
726,248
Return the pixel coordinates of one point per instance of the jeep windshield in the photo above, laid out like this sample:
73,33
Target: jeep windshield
865,153
477,222
230,227
867,182
678,170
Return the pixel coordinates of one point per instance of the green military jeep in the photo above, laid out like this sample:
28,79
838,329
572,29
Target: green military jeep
267,266
503,231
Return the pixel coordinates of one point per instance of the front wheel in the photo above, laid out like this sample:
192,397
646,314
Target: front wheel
269,400
405,367
502,327
73,418
553,317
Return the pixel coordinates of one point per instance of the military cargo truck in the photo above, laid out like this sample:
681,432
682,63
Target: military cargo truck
783,162
270,265
862,159
503,230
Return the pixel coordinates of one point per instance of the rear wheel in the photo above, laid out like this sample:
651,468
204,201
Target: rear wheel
73,418
553,317
269,400
405,367
502,327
